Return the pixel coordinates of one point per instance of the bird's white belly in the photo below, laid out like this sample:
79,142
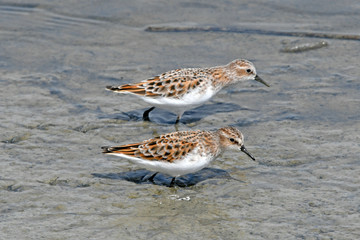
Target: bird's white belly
188,101
193,162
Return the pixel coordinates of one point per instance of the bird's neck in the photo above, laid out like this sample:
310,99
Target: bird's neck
221,78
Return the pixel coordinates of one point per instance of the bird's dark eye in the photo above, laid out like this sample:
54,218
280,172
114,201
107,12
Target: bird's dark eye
248,70
232,140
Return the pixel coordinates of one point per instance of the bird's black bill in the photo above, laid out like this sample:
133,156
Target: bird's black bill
243,149
259,79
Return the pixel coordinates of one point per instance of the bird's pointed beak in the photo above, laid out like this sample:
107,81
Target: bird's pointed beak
259,79
243,149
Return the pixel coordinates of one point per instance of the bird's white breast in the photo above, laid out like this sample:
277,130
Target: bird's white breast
192,162
194,98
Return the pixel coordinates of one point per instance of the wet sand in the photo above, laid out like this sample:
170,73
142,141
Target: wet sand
56,59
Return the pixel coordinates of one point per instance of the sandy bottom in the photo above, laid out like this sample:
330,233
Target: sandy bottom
57,58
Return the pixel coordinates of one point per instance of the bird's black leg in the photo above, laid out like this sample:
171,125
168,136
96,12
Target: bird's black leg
151,179
146,114
177,120
172,182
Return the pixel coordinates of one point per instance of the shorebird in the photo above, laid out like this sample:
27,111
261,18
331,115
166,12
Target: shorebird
180,153
183,89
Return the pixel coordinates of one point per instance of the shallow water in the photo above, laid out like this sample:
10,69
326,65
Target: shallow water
56,59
